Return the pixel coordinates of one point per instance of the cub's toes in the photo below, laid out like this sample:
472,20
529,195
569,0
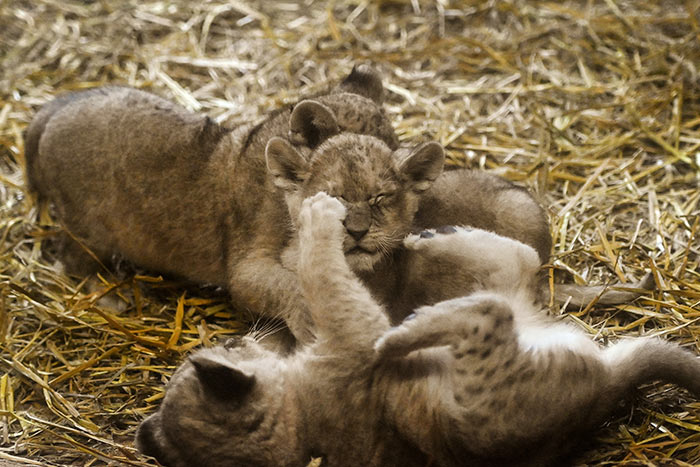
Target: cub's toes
325,205
305,213
419,239
446,229
318,197
413,241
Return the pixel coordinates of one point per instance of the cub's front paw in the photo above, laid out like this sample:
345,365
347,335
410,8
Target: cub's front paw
321,216
326,206
477,249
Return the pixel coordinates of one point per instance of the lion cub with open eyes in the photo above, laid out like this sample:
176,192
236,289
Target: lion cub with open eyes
479,380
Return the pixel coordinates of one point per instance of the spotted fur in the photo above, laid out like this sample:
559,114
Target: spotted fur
484,379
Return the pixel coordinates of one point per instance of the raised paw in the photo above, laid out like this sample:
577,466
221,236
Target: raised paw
321,216
327,206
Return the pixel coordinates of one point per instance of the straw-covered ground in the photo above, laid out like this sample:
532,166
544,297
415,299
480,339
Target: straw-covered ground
595,105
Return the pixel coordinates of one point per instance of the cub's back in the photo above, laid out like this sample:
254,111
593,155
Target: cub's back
37,126
127,172
98,130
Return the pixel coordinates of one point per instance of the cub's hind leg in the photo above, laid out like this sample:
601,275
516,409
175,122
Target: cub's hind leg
485,201
83,262
449,262
77,258
469,341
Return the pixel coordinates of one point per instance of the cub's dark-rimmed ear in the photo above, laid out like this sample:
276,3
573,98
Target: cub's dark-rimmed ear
423,165
365,81
221,378
285,164
311,123
149,439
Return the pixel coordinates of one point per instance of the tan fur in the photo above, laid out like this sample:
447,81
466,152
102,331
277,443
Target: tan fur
135,176
484,379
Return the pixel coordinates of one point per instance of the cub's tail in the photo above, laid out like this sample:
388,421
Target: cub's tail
641,360
582,295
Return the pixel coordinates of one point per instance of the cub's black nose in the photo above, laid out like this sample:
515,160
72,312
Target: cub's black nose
357,234
358,221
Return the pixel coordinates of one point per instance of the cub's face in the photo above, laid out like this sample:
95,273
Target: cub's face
380,188
366,177
219,410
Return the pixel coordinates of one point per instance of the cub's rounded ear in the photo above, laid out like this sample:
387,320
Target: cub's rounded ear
365,81
287,166
423,165
311,123
221,378
150,441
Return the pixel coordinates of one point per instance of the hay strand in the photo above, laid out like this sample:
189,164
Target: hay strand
594,105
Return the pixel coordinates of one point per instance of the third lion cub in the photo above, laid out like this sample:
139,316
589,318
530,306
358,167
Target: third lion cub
484,379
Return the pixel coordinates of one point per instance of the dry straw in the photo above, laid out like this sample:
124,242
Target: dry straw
593,104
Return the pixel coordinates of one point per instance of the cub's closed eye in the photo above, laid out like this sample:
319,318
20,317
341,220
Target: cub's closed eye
379,199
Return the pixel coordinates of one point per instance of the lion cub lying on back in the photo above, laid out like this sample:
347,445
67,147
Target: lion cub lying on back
477,380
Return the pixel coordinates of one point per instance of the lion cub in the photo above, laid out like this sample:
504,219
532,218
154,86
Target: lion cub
483,379
136,176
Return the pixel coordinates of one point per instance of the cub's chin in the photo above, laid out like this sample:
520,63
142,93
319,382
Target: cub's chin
362,260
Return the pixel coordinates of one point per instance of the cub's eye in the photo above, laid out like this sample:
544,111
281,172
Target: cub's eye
379,199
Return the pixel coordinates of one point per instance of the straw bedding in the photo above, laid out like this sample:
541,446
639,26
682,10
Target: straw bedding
595,105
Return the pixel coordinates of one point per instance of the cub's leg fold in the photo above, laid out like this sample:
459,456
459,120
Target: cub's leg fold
470,325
